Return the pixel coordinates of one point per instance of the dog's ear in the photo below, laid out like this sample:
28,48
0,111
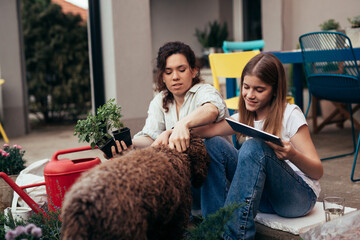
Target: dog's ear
199,160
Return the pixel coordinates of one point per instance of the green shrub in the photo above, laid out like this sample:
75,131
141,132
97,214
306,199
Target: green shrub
57,61
11,159
215,224
330,24
215,37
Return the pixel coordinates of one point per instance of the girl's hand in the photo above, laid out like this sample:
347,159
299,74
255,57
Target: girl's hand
121,149
163,138
282,153
180,137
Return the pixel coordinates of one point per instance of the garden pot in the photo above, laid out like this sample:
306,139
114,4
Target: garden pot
6,193
123,135
106,147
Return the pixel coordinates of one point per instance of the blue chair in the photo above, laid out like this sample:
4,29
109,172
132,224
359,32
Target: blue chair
243,46
331,77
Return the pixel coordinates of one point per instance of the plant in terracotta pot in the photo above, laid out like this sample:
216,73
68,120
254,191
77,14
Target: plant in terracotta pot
95,128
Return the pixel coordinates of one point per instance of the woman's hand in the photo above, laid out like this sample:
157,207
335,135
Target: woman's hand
121,149
282,153
163,138
301,152
180,137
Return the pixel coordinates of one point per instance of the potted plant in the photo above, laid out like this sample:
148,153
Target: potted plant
11,163
212,38
111,114
95,128
354,31
330,24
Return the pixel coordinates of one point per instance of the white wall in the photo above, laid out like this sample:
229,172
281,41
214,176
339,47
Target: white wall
14,92
177,20
126,39
285,20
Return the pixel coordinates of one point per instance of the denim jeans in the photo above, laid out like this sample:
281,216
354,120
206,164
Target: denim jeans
259,181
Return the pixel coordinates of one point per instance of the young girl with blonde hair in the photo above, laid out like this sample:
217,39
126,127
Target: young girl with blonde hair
261,175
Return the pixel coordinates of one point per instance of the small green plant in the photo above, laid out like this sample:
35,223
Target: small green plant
214,226
214,37
355,21
93,128
111,114
11,159
330,24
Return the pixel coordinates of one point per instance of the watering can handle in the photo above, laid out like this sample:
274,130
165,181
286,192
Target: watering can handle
65,151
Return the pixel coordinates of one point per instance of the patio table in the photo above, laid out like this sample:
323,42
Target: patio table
288,57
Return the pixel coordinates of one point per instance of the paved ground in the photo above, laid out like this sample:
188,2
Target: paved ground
44,142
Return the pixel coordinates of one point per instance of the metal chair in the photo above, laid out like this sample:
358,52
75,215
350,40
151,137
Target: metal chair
229,66
229,46
331,76
237,46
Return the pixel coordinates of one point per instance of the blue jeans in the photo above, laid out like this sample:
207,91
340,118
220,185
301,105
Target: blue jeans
259,181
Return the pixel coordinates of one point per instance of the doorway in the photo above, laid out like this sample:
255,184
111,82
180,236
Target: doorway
252,20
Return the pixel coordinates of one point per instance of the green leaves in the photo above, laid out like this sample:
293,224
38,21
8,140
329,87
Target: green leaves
93,128
217,35
330,24
11,159
215,225
57,61
355,21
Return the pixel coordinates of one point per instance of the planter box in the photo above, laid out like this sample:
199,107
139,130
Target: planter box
6,193
354,35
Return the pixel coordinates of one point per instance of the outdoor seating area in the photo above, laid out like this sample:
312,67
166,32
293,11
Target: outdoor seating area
336,180
78,75
333,140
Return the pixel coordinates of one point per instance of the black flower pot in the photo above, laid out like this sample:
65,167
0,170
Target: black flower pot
124,135
105,146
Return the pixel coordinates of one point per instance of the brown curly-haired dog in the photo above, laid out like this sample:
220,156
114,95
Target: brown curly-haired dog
143,195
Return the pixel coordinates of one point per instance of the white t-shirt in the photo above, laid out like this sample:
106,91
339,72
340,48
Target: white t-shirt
292,121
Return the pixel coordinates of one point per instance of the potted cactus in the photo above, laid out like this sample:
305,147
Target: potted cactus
95,128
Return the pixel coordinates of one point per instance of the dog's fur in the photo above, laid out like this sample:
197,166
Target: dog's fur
143,195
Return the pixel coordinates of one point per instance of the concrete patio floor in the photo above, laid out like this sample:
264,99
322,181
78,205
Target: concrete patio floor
44,142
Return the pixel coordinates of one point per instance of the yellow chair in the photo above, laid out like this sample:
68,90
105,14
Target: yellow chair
2,81
229,65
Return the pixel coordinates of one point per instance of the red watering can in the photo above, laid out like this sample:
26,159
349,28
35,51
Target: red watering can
59,175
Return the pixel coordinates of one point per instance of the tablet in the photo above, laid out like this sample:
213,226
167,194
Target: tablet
253,132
